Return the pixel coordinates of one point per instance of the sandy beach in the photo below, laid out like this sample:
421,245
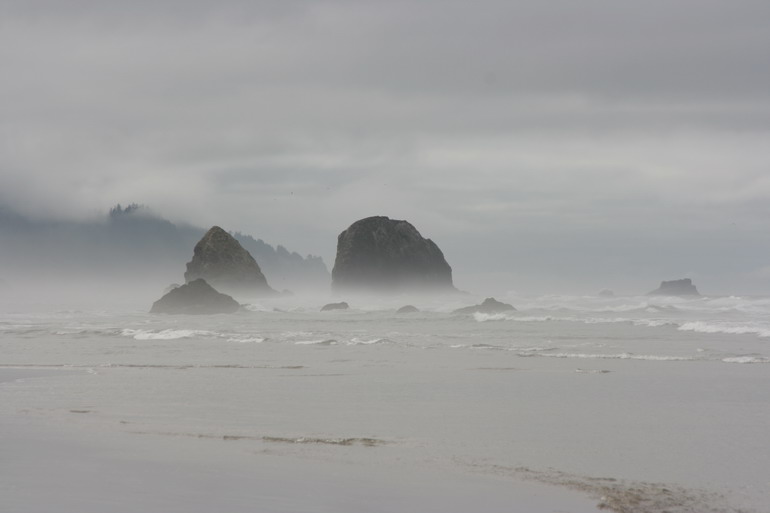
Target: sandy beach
132,412
66,469
339,256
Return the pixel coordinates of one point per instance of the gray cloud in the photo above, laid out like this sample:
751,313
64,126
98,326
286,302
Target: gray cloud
533,129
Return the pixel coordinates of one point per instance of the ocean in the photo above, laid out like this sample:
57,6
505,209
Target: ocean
570,403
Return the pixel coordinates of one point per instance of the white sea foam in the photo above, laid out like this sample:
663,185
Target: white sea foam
483,317
761,330
319,342
247,340
355,341
599,320
641,304
746,359
626,308
653,323
70,331
618,356
487,346
167,334
84,330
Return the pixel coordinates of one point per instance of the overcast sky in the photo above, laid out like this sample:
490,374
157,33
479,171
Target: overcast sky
544,146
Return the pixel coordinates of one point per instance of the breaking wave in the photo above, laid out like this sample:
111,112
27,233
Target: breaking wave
320,342
531,352
247,340
488,347
761,330
618,356
746,359
651,323
483,317
364,342
167,334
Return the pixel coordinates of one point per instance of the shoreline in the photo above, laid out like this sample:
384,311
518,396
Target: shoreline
70,470
120,412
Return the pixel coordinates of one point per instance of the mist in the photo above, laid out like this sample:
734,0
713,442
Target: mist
125,256
563,158
545,148
131,255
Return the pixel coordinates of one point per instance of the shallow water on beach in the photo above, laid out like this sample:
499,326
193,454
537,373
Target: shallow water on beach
576,328
618,399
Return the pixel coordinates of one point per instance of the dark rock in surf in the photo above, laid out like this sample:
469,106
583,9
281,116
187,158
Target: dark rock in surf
683,287
335,306
606,293
378,254
489,306
221,260
407,309
195,298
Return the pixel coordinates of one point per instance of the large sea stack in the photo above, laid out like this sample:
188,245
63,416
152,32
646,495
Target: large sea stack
682,287
378,254
195,298
221,260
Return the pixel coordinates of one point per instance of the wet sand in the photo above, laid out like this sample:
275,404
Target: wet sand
127,412
69,468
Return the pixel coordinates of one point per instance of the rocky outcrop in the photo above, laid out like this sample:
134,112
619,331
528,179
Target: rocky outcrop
606,293
221,260
335,306
683,287
407,309
378,254
489,306
196,297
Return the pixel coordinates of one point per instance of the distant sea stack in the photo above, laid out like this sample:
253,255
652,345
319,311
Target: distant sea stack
195,298
489,306
378,254
335,306
221,260
682,287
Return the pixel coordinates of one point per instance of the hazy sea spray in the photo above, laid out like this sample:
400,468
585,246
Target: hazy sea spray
167,334
567,328
760,329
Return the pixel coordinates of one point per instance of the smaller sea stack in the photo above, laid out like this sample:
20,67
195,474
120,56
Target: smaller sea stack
221,260
683,287
489,306
195,298
335,306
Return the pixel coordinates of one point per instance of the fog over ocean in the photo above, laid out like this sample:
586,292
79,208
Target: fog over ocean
562,157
